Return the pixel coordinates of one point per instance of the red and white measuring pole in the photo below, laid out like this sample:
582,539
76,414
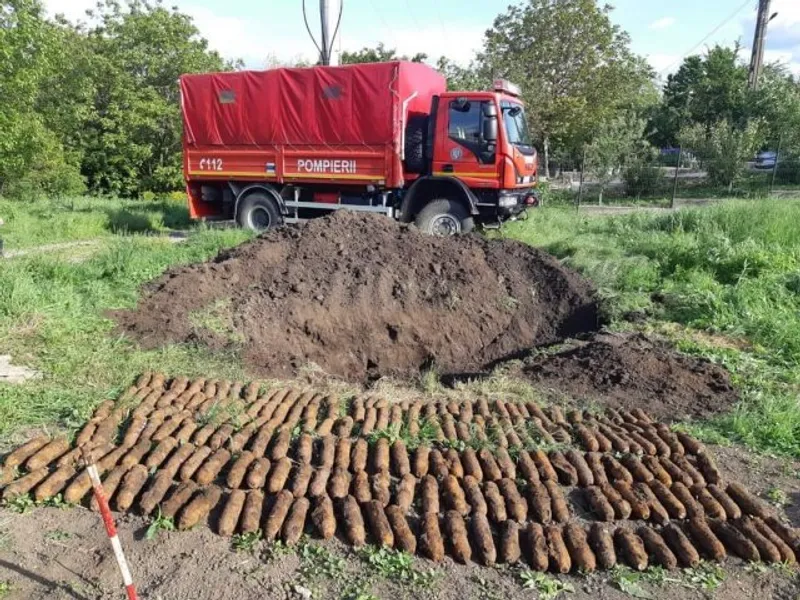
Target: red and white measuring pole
111,530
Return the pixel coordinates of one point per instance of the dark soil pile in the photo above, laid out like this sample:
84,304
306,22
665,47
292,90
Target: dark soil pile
629,371
362,296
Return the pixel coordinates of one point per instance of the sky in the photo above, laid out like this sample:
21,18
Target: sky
261,32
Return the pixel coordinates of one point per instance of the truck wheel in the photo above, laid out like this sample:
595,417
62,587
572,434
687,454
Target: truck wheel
259,212
416,133
444,217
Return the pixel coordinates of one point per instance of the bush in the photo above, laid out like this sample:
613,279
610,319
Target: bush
724,149
641,179
554,196
33,161
788,171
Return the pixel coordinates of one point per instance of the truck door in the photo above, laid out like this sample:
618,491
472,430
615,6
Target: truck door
461,149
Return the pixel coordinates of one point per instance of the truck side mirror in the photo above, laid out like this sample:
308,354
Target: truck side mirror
490,129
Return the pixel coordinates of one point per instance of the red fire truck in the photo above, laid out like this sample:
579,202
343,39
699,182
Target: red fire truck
269,147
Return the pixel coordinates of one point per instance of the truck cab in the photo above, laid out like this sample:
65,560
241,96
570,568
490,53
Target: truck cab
480,139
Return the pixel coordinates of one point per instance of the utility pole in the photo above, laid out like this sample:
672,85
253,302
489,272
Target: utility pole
759,41
330,17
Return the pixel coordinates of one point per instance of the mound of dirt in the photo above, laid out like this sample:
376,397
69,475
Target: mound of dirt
629,371
362,296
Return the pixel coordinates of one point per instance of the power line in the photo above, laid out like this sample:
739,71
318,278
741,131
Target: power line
385,24
308,28
705,39
326,42
413,18
441,22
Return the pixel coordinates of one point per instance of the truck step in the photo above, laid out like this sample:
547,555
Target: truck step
386,210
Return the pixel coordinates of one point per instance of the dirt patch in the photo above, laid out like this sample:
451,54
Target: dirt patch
362,296
55,553
629,371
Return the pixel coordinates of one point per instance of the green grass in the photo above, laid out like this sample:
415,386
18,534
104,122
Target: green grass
246,542
54,318
706,577
53,221
547,587
731,269
158,524
218,320
317,561
396,566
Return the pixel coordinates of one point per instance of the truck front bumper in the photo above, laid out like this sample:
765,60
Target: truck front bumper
513,202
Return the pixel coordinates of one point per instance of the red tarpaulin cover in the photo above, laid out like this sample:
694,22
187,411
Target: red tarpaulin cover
319,106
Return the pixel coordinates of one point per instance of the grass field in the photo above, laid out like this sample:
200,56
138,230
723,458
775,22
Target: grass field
54,221
722,281
52,308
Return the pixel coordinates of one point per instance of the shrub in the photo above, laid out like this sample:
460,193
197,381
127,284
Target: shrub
724,149
554,196
788,170
33,161
641,179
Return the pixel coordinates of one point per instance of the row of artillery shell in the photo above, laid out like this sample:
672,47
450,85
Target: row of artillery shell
562,548
373,414
265,422
601,434
500,500
558,548
648,488
508,424
660,503
205,463
268,419
332,452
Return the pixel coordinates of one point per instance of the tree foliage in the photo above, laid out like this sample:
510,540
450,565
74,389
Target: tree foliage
31,154
465,79
109,113
140,51
618,143
724,148
713,88
575,67
704,91
378,54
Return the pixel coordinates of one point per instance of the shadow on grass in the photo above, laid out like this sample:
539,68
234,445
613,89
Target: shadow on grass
125,221
144,217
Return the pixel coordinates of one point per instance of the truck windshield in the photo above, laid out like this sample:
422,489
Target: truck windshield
515,124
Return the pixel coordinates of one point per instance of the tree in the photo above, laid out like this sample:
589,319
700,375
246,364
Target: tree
777,104
99,103
133,140
675,109
378,54
575,67
31,155
466,79
724,148
618,142
272,61
704,90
